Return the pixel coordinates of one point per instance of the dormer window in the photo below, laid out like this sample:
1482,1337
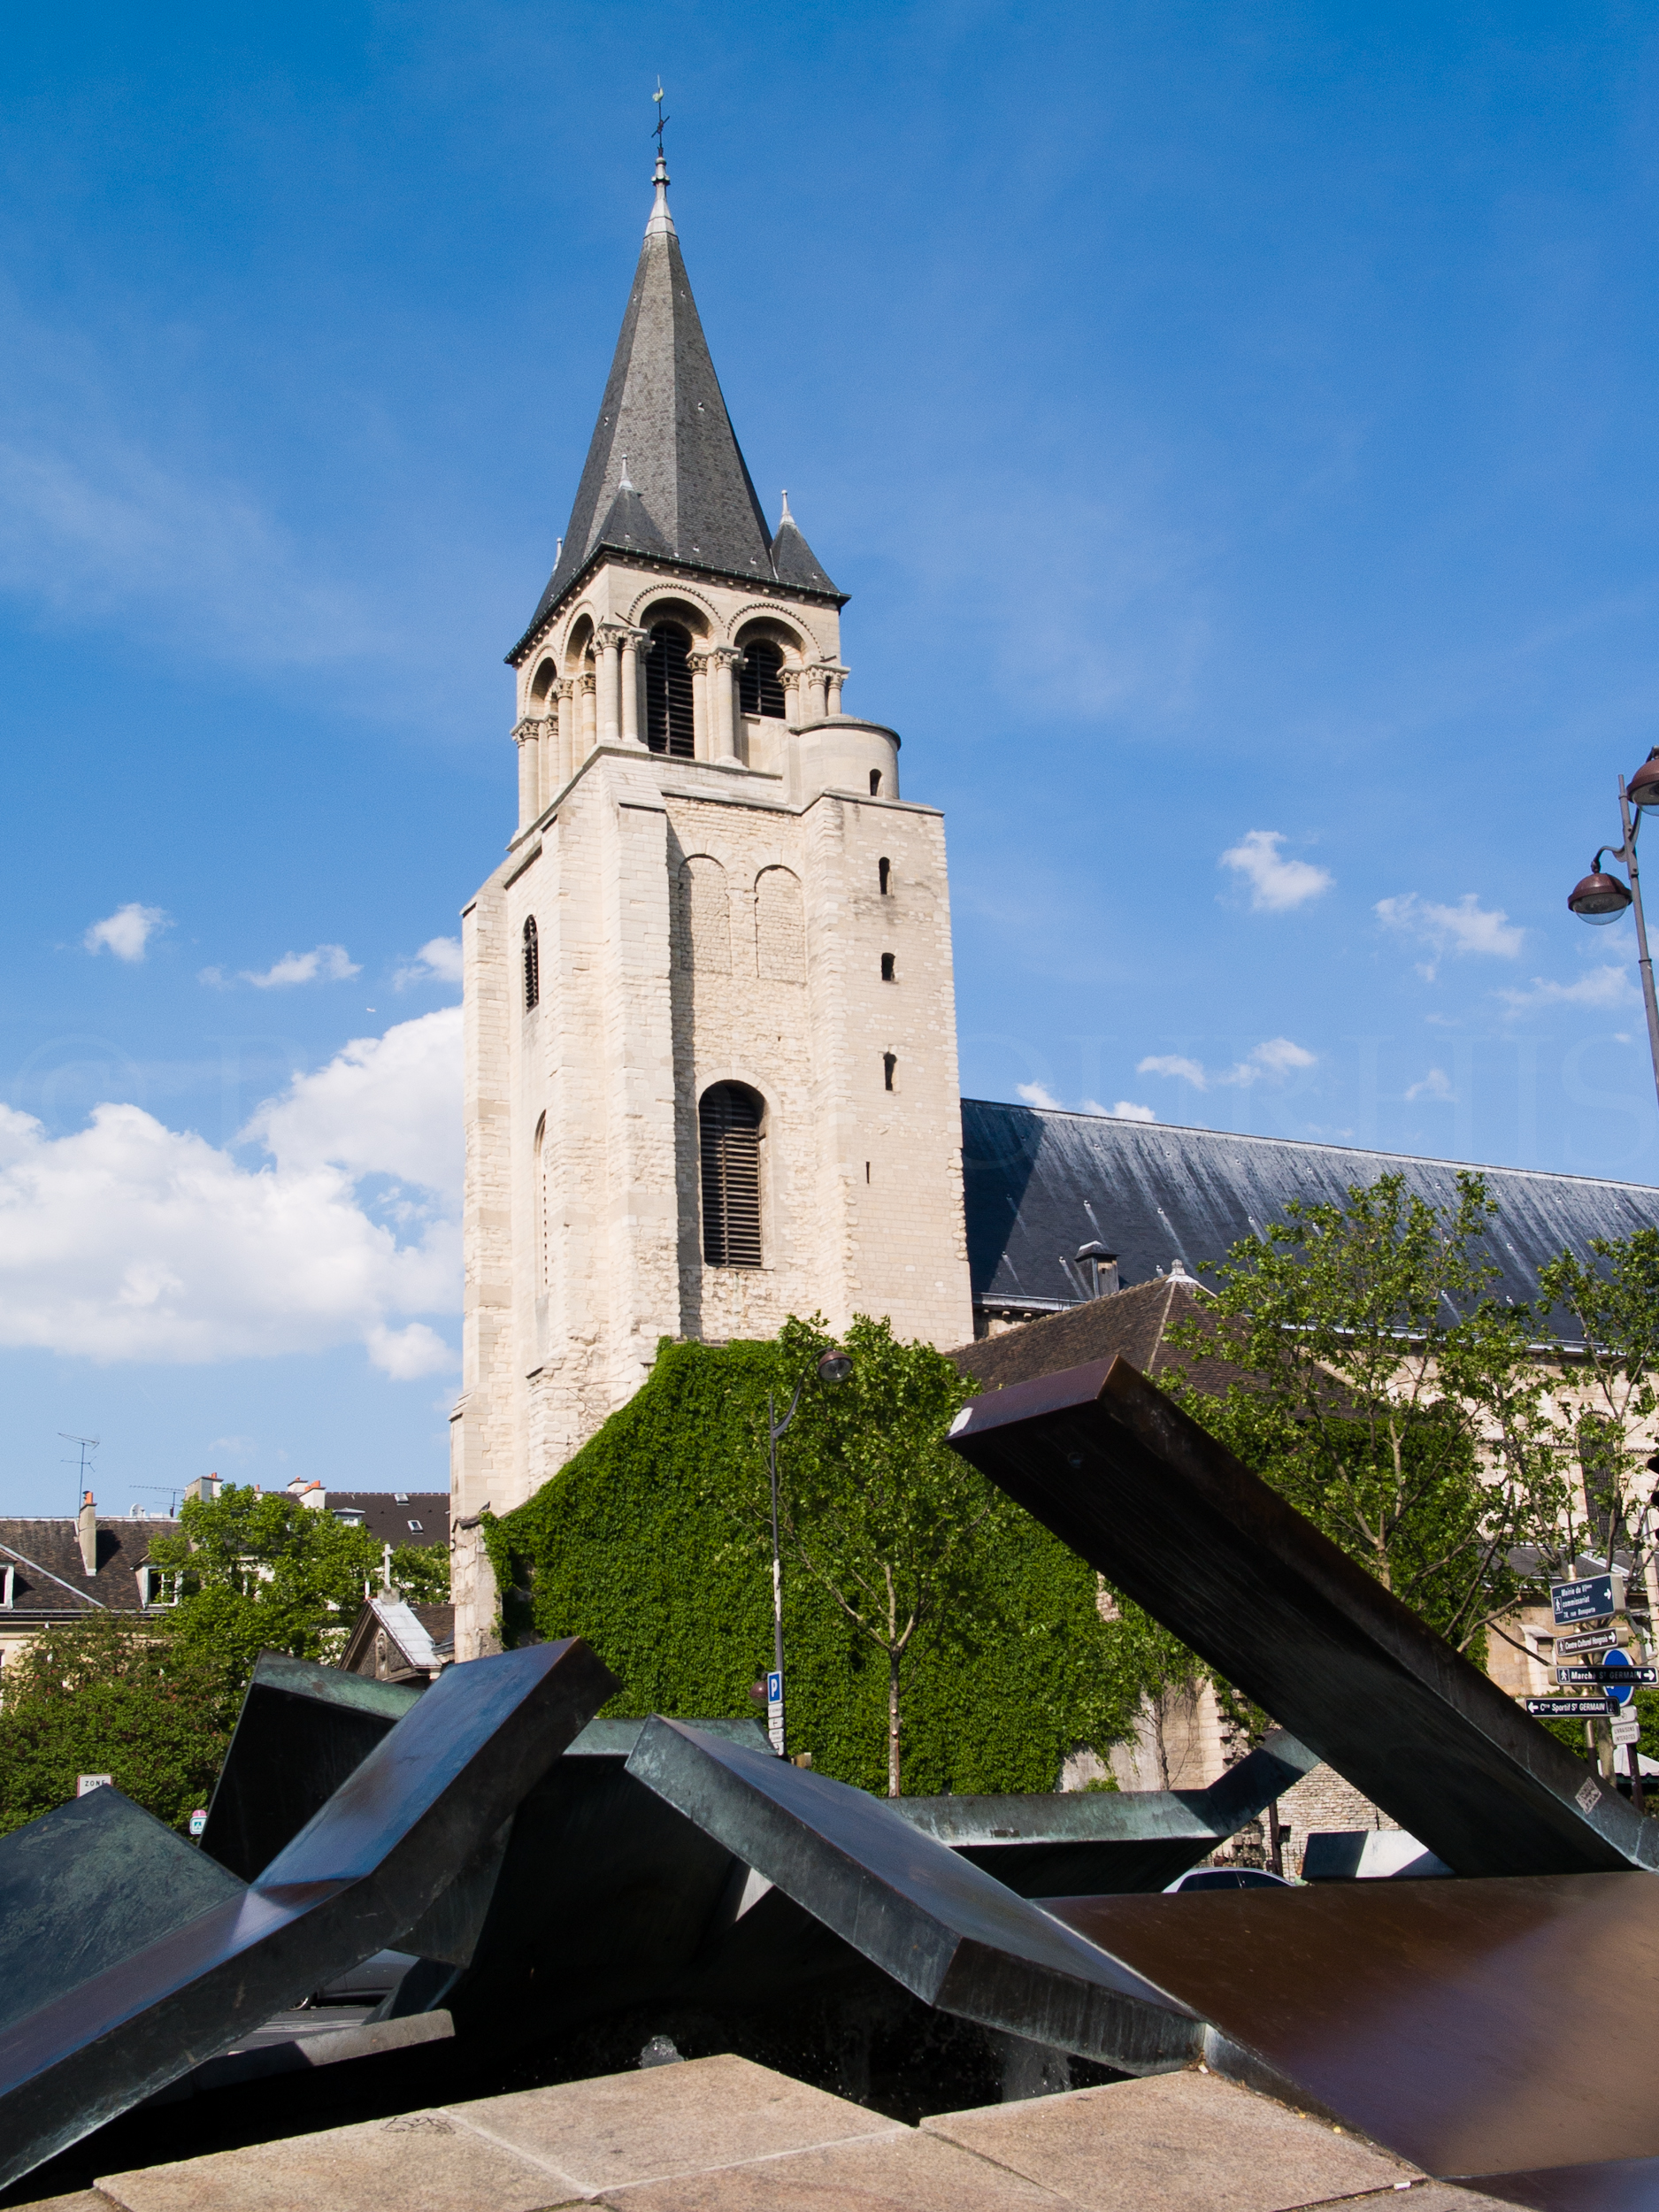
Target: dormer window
760,682
8,1588
532,965
156,1587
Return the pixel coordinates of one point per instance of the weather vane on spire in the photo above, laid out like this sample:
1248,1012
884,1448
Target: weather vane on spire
656,129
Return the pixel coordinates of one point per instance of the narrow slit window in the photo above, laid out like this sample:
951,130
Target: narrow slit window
532,965
889,972
669,720
760,679
889,1068
875,783
884,870
729,1120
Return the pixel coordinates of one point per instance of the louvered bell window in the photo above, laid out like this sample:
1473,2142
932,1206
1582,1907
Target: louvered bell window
760,679
729,1127
669,725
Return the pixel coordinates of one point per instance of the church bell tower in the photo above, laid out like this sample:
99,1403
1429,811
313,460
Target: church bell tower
709,1011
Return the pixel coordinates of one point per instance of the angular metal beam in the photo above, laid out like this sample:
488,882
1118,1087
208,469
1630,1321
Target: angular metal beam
937,1926
1066,1844
389,1842
1120,1473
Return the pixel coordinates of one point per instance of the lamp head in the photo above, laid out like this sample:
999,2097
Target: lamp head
1598,898
1643,787
834,1367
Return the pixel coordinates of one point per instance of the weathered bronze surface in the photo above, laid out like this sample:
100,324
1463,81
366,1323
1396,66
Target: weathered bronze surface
1459,2023
413,1815
1055,1844
303,1728
1115,1470
939,1926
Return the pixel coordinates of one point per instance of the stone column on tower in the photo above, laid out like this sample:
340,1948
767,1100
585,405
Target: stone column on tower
790,678
526,736
607,647
634,642
722,677
834,678
562,766
702,735
815,693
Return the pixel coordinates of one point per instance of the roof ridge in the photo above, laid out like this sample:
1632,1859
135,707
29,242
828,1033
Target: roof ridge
1310,1144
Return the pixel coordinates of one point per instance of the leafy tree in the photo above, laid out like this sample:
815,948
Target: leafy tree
262,1573
654,1543
1390,1397
879,1512
108,1695
1614,1299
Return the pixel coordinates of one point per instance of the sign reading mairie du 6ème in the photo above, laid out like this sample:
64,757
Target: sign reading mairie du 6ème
1576,1603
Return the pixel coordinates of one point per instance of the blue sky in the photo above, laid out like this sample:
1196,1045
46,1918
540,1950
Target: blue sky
1233,423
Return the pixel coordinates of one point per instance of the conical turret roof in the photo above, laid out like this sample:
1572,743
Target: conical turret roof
665,475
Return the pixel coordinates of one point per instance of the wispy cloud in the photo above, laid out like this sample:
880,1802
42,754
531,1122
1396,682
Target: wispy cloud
1602,986
127,931
1277,885
438,961
1433,1085
1038,1094
323,964
1126,1110
1467,928
1271,1061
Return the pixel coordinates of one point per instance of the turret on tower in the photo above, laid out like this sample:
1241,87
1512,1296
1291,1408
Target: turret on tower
710,1026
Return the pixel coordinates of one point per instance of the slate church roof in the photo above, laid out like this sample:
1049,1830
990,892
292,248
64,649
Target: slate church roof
665,478
1038,1183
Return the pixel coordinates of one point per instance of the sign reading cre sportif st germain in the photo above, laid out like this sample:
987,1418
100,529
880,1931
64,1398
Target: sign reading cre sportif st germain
1569,1708
1575,1604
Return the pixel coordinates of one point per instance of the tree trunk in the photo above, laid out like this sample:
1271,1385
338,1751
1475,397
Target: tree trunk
893,1724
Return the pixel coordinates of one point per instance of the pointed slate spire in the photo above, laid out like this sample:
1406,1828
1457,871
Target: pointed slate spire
793,559
662,407
628,527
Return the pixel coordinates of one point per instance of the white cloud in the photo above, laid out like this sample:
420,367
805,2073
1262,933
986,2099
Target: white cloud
1467,928
1277,1056
407,1354
1277,885
387,1105
1602,986
130,1240
1039,1094
127,931
324,963
438,961
1274,1060
1171,1063
1126,1110
1433,1085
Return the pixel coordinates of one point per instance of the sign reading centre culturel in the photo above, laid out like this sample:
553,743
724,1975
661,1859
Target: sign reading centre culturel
1576,1603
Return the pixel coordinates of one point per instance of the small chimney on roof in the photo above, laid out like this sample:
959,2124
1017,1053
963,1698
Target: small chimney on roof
204,1489
88,1529
1099,1268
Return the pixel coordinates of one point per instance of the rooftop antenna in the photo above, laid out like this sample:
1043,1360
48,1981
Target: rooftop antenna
88,1444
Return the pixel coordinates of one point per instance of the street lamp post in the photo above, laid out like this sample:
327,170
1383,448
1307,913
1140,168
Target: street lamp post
834,1367
1599,898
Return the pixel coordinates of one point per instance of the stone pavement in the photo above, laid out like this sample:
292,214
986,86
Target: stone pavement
722,2135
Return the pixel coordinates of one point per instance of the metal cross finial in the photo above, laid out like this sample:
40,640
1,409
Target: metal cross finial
656,130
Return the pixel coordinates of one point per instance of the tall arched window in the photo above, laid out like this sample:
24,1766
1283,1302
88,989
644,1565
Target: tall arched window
759,682
728,1129
669,725
532,965
539,1197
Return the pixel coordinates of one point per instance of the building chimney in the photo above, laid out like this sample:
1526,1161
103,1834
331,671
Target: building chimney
204,1489
1100,1269
88,1534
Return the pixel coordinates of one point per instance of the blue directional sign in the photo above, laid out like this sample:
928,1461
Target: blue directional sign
1573,1603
